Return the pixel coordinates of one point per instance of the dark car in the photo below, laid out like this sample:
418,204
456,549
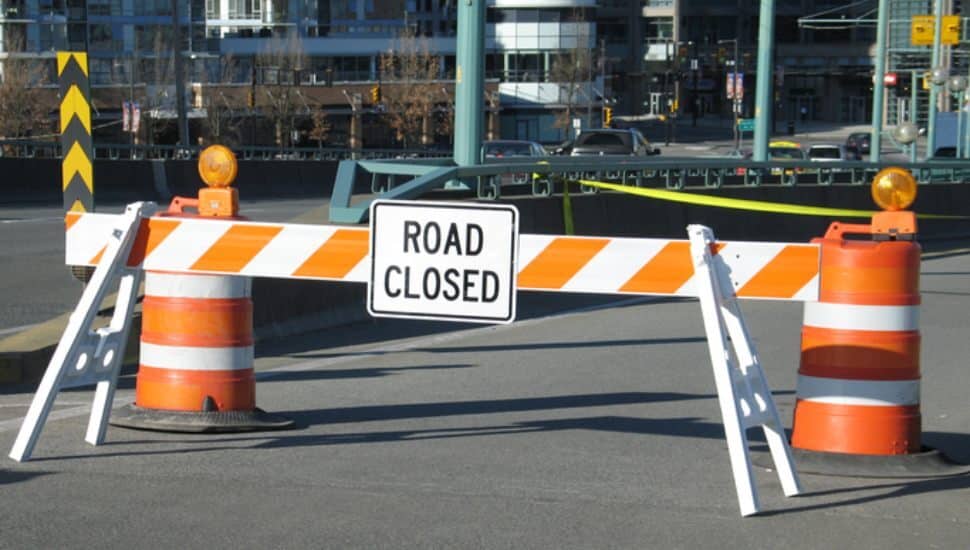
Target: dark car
629,142
859,141
517,149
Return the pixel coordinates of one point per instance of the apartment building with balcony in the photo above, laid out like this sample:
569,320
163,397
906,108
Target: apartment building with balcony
130,45
643,52
822,72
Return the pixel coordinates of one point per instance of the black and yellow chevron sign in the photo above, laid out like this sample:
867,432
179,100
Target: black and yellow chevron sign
77,170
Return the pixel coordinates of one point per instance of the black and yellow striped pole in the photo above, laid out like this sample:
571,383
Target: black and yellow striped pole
77,169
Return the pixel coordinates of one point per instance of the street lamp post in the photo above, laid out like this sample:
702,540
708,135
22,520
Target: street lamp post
734,94
935,88
958,84
938,78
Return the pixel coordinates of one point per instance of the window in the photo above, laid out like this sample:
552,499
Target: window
245,9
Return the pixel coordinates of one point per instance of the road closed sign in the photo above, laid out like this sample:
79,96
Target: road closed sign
445,261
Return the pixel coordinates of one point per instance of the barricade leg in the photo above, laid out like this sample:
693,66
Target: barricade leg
84,357
743,392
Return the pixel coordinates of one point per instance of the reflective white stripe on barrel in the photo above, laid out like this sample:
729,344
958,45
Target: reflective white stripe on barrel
855,317
837,391
196,358
174,285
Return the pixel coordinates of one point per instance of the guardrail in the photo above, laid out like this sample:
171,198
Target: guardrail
411,178
126,151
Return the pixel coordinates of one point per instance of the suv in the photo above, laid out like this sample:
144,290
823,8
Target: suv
605,141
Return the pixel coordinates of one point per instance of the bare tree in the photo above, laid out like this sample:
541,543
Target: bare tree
158,71
279,67
570,69
24,110
222,118
320,126
410,101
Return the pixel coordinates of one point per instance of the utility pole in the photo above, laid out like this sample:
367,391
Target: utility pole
763,97
934,88
666,96
736,94
469,82
878,84
356,102
602,63
183,121
694,65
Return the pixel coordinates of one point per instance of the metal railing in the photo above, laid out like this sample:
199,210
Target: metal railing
124,151
548,175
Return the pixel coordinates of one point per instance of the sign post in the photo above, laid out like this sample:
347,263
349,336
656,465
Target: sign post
443,261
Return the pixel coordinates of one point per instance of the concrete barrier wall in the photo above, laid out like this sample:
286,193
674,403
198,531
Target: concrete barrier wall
38,181
618,215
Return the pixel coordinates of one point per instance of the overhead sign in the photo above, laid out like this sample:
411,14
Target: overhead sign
445,261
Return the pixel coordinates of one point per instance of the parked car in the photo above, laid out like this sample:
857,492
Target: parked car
859,140
786,150
628,141
513,148
833,153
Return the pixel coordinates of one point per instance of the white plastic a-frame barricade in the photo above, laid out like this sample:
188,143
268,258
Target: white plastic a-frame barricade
84,356
742,390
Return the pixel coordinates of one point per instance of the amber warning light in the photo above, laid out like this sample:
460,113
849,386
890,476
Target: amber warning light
218,169
894,190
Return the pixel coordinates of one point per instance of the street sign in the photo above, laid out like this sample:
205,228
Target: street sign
923,28
445,261
746,125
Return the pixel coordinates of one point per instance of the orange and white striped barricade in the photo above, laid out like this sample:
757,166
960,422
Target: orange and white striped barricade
718,273
858,387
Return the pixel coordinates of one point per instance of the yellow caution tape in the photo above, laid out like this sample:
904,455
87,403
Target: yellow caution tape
745,204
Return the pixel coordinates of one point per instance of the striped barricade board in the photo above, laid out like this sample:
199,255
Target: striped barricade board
607,265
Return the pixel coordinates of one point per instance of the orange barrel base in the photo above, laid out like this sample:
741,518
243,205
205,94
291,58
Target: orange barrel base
196,358
857,429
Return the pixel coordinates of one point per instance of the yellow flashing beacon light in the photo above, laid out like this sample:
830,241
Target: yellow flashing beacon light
218,169
894,190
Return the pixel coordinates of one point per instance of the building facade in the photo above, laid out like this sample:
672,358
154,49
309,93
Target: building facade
642,57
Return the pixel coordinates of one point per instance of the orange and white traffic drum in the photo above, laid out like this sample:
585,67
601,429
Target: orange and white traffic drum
196,343
859,380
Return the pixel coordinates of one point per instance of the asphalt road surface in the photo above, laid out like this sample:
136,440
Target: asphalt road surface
591,422
36,284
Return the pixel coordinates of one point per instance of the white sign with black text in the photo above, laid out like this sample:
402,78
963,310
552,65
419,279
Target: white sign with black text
445,261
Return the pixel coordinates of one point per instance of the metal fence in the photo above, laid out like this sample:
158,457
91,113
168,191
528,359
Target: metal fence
124,151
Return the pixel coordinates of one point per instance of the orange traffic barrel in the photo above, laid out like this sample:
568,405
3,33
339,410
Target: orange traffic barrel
195,371
858,386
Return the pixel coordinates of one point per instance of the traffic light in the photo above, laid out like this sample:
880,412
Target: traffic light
375,94
607,116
